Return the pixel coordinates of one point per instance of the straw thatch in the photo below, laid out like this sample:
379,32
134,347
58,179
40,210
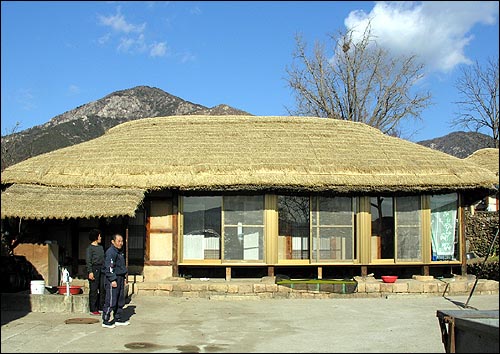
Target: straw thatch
487,158
218,153
41,202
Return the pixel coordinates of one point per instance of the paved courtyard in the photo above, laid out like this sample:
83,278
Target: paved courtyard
398,323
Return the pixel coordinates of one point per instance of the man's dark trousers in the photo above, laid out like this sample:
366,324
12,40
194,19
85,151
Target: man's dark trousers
115,299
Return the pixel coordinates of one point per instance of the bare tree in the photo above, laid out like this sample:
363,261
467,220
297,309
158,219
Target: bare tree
8,148
359,81
479,103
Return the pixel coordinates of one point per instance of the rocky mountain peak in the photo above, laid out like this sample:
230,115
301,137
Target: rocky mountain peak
135,103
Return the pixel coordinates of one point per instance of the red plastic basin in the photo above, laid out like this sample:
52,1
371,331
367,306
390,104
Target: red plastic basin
389,278
73,289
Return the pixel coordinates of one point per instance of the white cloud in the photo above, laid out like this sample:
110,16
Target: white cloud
119,24
187,57
104,39
195,10
158,49
132,45
26,99
437,31
133,37
73,90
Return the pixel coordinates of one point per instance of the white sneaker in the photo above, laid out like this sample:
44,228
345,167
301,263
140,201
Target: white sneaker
122,323
108,325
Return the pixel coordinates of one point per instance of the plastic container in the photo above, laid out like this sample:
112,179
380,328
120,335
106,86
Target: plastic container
37,286
73,289
389,278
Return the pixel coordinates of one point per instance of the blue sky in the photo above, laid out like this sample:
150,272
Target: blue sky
59,55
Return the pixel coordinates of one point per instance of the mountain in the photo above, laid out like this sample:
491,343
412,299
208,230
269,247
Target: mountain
460,144
91,120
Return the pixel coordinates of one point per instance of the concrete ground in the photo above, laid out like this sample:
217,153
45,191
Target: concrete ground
397,324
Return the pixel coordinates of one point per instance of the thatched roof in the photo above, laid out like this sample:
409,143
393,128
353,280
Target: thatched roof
219,153
41,202
487,158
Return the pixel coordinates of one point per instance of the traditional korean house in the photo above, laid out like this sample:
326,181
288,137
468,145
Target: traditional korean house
247,196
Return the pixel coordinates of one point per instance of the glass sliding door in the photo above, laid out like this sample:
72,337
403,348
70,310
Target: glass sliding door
444,234
243,228
382,239
333,229
293,227
396,228
202,228
409,229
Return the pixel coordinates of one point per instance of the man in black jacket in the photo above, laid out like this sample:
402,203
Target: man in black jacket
94,260
114,283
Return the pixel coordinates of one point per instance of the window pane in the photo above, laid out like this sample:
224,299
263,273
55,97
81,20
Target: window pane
333,228
408,228
293,239
202,227
136,237
335,211
443,227
382,227
409,247
244,227
243,243
334,243
247,210
408,210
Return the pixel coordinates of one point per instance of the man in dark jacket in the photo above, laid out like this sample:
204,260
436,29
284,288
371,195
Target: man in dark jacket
94,260
114,283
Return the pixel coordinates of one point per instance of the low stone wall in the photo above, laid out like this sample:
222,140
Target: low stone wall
219,289
367,287
45,302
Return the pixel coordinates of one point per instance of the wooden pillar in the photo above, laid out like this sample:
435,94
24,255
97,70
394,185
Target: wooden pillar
228,273
320,272
462,251
425,270
175,236
364,271
126,243
270,271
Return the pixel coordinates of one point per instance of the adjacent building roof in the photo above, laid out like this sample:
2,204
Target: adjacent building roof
220,153
42,202
487,158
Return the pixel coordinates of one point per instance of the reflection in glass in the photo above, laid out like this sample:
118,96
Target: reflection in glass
293,226
202,227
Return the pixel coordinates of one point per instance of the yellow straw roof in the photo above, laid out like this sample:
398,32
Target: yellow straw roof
40,202
218,153
487,158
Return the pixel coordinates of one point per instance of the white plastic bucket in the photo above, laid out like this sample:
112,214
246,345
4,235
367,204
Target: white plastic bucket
37,286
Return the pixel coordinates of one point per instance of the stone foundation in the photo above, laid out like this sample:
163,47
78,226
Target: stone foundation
250,289
367,287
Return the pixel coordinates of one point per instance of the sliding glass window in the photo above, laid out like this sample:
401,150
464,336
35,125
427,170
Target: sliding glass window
396,228
294,228
408,228
444,231
333,229
202,228
243,228
227,228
